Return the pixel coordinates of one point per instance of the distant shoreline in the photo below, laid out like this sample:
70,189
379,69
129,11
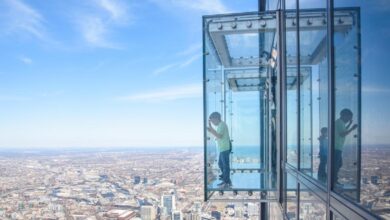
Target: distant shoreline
9,152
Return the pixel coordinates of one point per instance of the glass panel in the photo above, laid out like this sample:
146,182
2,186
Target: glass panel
247,44
310,207
306,115
213,103
373,129
237,61
347,104
313,90
291,197
292,88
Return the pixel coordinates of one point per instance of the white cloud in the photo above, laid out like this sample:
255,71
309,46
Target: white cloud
26,60
94,31
202,6
167,94
20,18
99,20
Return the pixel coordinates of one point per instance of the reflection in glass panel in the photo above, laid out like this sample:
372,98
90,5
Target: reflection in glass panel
374,125
310,206
313,91
347,104
292,82
291,197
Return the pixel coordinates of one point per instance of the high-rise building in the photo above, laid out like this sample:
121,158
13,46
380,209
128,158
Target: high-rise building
283,107
137,179
148,212
374,180
168,204
177,215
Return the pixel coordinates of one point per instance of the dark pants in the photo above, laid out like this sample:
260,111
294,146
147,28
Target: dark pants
322,168
224,165
338,163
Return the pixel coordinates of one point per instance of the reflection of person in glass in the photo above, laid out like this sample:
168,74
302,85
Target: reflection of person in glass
323,155
342,129
221,134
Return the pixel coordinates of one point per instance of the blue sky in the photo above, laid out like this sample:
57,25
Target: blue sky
103,73
129,73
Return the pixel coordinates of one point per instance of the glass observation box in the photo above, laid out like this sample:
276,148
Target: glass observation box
242,69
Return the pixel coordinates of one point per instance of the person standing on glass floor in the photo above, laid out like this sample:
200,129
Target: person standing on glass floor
221,134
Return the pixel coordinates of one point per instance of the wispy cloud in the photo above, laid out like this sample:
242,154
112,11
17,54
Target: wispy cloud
192,53
165,68
21,18
202,6
166,94
26,60
195,48
98,21
177,65
94,32
190,60
117,10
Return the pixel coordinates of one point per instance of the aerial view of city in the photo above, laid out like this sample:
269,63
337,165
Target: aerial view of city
120,184
194,110
154,183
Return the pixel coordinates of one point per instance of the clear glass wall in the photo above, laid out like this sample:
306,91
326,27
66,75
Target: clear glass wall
313,46
237,57
292,84
347,147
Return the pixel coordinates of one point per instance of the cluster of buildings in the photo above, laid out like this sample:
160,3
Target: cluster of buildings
110,185
141,185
